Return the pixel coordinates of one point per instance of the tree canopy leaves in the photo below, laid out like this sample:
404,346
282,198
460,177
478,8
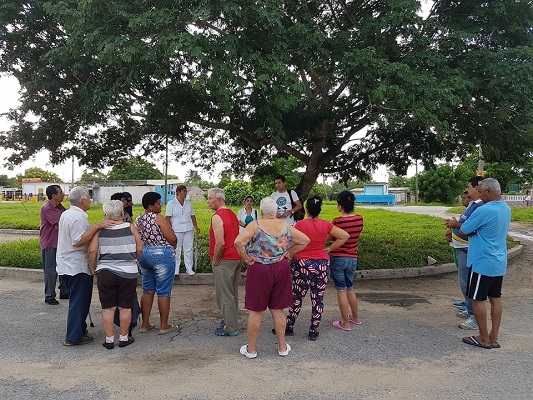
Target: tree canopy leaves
36,172
134,169
341,86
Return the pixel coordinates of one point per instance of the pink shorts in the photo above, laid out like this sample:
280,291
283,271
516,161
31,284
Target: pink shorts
268,285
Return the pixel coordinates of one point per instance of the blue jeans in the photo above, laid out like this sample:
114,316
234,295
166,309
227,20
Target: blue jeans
342,271
462,272
157,269
80,288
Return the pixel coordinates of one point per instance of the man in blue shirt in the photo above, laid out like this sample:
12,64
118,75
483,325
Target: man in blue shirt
487,230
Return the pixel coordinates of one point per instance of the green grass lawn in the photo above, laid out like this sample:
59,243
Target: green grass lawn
389,239
518,214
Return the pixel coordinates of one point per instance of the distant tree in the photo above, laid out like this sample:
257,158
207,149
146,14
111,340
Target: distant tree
192,176
36,172
93,176
442,183
322,190
8,182
225,178
397,180
134,169
506,172
236,191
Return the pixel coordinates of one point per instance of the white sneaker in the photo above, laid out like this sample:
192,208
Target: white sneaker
469,324
286,352
191,273
244,352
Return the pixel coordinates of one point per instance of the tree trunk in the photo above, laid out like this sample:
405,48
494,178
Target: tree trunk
306,183
312,169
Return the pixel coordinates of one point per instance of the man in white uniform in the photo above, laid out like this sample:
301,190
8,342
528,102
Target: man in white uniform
181,215
283,200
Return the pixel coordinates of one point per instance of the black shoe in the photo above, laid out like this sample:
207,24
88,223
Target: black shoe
84,340
124,343
64,296
288,331
52,302
108,346
313,336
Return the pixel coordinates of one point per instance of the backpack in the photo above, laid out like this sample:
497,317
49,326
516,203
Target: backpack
298,215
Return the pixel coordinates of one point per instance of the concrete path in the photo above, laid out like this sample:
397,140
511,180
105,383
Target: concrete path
409,347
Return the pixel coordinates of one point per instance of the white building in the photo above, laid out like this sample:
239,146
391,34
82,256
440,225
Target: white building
35,189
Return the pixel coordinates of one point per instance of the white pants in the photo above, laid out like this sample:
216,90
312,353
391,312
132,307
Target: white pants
185,240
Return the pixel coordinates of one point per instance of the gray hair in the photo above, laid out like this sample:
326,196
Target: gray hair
113,209
217,193
78,194
492,184
268,207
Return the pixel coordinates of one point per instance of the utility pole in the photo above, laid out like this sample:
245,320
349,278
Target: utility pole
416,180
72,179
166,170
480,163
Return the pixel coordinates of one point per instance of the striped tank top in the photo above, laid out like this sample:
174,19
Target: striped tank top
118,251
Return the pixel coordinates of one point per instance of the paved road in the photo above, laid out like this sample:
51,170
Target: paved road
409,347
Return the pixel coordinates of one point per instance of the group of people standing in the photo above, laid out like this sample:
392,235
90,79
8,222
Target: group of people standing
285,260
285,257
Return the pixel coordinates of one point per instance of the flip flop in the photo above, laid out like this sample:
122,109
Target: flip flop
173,329
152,326
337,324
354,321
472,341
496,345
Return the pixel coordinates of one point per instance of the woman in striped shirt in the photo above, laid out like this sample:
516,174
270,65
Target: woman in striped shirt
113,254
343,261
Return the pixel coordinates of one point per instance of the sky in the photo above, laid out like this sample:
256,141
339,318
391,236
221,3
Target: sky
9,99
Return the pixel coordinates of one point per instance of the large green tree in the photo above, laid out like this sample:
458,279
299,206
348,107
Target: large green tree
36,172
340,85
134,169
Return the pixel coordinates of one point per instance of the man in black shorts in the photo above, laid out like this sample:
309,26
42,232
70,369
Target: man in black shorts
487,229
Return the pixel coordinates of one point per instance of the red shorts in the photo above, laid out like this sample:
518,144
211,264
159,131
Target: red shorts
268,285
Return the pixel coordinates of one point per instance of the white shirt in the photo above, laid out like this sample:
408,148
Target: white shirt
283,201
72,225
180,215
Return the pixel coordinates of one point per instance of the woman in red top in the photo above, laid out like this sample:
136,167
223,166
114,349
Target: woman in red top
310,266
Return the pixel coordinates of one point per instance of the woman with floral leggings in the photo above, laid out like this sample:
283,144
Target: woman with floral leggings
310,266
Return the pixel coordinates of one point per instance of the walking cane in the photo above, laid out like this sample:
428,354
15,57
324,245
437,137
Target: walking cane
91,320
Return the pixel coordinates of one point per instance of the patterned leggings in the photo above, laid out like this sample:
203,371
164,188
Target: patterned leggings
308,273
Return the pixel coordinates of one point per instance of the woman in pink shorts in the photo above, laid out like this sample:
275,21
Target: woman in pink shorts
267,246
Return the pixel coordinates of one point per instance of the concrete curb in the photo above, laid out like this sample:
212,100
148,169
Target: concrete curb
34,232
207,278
